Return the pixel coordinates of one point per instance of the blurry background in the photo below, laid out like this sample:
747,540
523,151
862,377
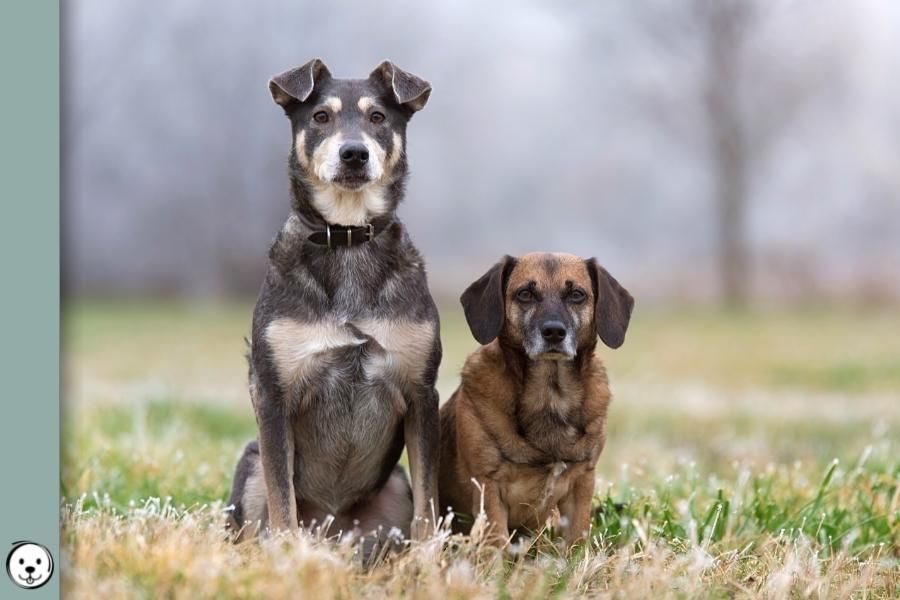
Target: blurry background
740,151
734,163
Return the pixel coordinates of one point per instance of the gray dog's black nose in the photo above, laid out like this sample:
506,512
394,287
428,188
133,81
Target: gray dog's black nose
354,154
553,331
29,570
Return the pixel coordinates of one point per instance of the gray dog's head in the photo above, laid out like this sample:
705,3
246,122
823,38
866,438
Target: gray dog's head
349,135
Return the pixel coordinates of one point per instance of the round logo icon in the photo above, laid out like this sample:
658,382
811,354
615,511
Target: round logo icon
29,565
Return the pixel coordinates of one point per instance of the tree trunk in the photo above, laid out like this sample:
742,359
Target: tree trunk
725,22
731,205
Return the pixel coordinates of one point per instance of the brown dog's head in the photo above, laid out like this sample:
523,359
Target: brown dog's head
550,305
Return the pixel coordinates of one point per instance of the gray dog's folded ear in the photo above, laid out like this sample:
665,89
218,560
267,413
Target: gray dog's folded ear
484,302
612,305
296,85
409,91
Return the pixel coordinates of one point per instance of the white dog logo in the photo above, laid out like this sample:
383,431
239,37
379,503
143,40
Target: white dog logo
29,565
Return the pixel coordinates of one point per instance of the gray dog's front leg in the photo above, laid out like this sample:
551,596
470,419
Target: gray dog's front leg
276,449
422,431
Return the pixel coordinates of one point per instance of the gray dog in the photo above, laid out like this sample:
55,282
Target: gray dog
345,342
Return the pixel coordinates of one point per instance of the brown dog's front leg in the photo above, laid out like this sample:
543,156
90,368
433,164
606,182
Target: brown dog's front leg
422,433
495,511
575,508
276,449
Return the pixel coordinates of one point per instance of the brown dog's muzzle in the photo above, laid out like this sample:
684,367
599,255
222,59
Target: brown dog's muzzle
550,334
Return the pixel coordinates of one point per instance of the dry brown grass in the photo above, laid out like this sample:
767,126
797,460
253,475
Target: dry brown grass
158,551
717,480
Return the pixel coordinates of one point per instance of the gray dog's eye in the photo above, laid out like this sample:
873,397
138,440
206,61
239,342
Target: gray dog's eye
377,117
320,117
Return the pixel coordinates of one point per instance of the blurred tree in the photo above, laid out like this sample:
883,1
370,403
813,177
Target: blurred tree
725,25
745,81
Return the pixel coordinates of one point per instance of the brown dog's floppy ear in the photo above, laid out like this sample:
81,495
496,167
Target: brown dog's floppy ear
484,304
612,306
409,91
296,85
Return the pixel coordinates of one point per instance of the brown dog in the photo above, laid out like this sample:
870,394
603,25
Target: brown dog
528,420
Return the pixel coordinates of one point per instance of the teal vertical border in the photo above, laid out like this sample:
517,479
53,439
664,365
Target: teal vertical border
29,272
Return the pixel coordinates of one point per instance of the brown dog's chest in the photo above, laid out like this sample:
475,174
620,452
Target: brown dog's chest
553,433
549,413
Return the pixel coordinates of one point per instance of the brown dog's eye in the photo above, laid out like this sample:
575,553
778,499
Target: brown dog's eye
577,297
377,117
525,295
320,117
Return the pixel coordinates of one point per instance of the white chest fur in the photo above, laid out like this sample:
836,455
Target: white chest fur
298,347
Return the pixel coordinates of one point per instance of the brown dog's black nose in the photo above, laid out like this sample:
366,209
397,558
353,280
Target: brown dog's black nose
553,331
354,154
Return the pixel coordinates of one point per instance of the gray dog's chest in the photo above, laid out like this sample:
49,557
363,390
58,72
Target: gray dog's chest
364,348
345,382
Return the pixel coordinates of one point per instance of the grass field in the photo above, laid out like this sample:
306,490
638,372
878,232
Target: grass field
748,455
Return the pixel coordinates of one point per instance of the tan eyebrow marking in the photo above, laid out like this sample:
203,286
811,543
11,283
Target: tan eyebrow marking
365,103
334,103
